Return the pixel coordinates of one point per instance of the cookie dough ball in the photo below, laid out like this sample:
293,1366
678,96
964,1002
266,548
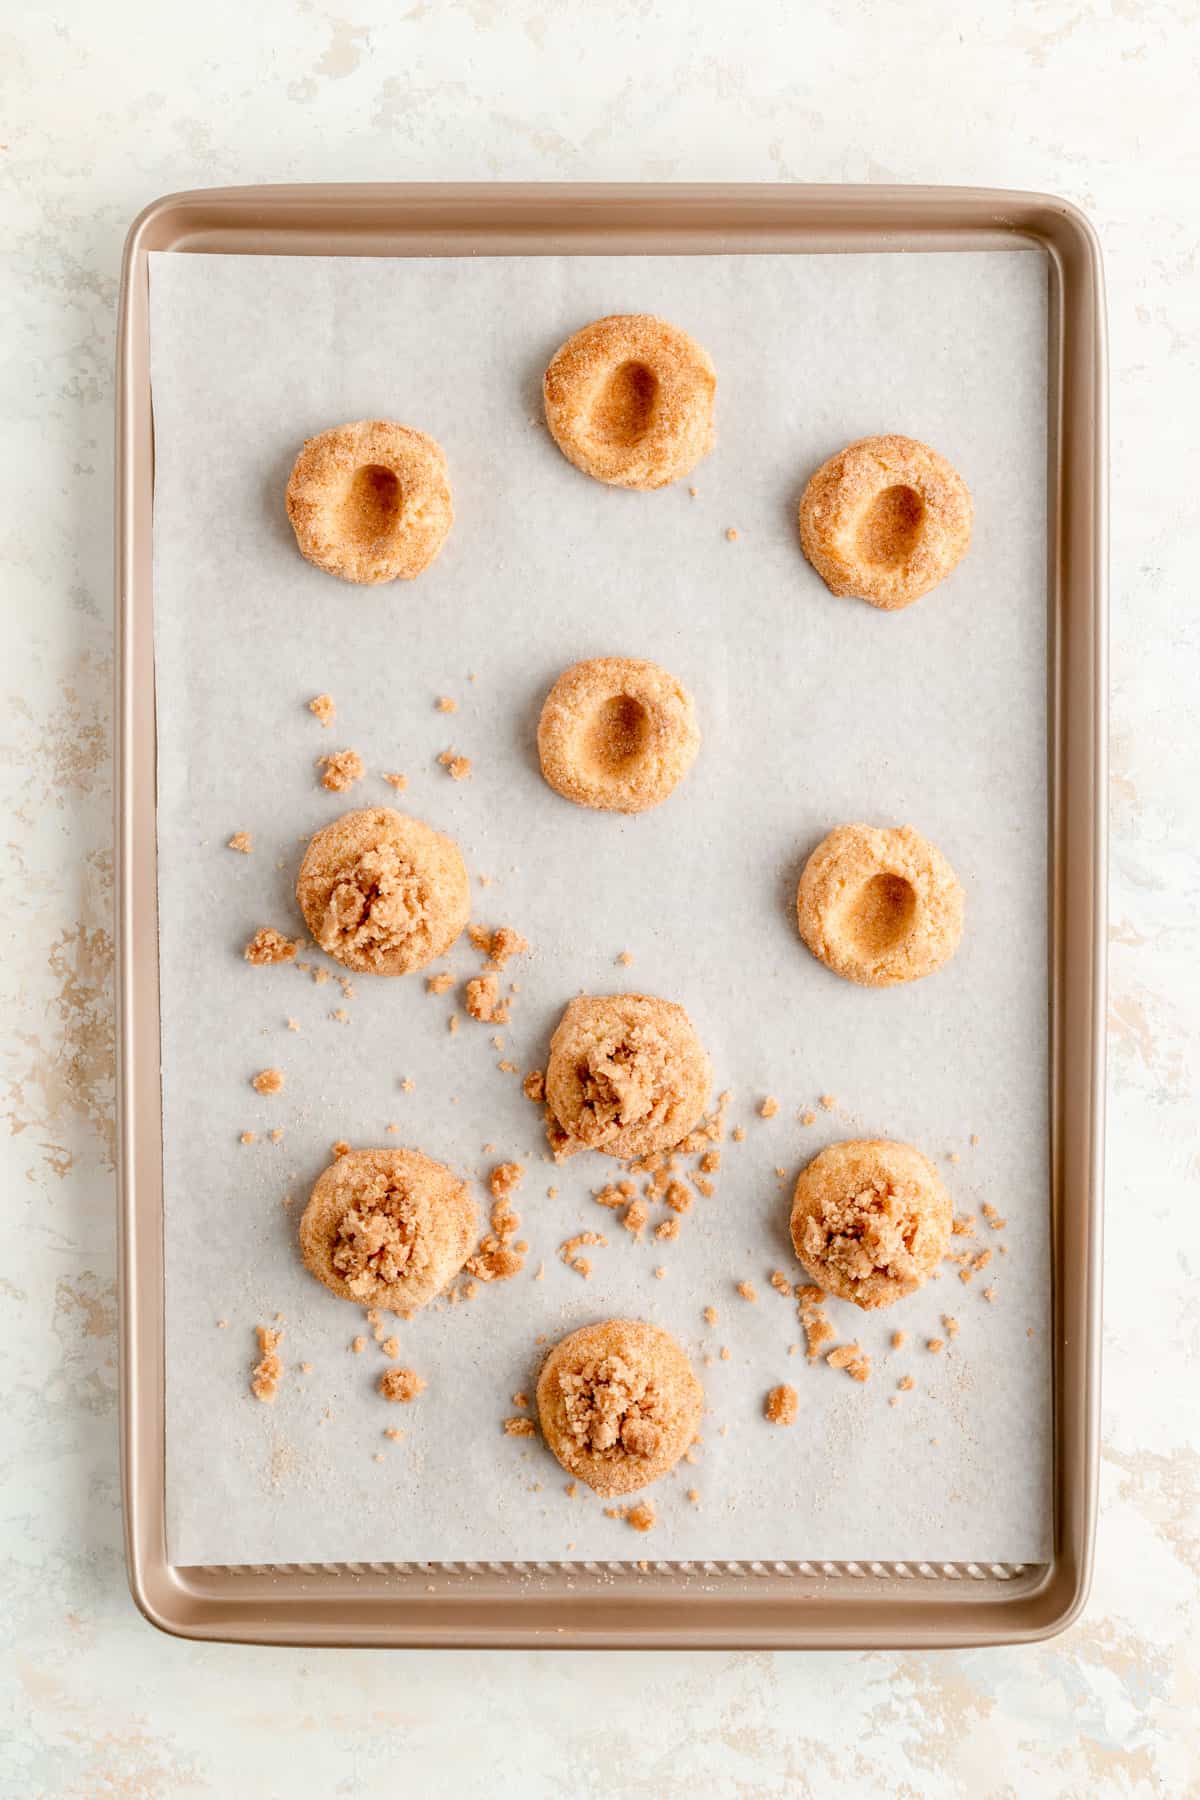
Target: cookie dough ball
619,1403
629,400
371,501
879,905
885,520
627,1075
382,892
617,734
870,1221
387,1228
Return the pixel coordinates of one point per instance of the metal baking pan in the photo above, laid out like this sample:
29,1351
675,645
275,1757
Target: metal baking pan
655,1604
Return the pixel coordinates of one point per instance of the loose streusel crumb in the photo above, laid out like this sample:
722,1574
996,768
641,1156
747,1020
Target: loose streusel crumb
452,1024
306,1368
270,946
725,1353
268,1081
402,1385
906,1384
520,1398
817,1329
769,1107
276,1136
642,1517
963,1226
935,1346
534,1086
782,1405
390,1346
248,1137
293,1024
828,1102
457,767
520,1428
505,1178
407,1085
243,841
974,1140
483,997
899,1339
340,1016
636,1218
678,1197
265,1377
808,1118
953,1156
693,1495
711,1315
660,1274
394,1433
989,1294
501,946
569,1251
358,1345
342,769
323,708
781,1284
666,1229
394,779
747,1291
441,983
710,1162
340,1148
731,535
496,1257
993,1217
222,1324
853,1358
951,1325
446,704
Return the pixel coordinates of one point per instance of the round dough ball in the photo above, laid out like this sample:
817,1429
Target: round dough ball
617,734
370,502
619,1403
627,1075
629,400
870,1221
382,892
387,1228
879,905
885,520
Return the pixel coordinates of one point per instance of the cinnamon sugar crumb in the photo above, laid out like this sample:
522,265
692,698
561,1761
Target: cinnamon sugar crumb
390,1346
974,1140
293,1024
828,1102
906,1384
951,1325
817,1329
452,1024
935,1346
642,1517
703,1186
440,983
625,958
782,1405
989,1294
446,704
503,945
457,767
340,1016
808,1118
394,1433
407,1085
323,708
268,1081
660,1274
401,1385
963,1226
747,1291
725,1353
899,1339
396,780
993,1217
520,1398
243,841
270,946
534,1086
248,1137
710,1162
731,535
769,1107
711,1315
853,1358
636,1218
339,1149
693,1495
342,770
953,1156
267,1371
781,1284
358,1345
505,1178
276,1136
739,1134
520,1428
667,1229
483,997
677,1197
569,1251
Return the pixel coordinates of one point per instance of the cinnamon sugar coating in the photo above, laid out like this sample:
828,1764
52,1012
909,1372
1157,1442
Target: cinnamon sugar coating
629,400
619,1404
879,905
370,501
870,1220
885,520
627,1075
617,734
387,1228
382,892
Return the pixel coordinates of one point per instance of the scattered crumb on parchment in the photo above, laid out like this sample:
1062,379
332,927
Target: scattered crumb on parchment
739,1134
853,1358
407,1085
781,1284
642,1516
394,1433
993,1217
457,767
499,946
520,1428
899,1339
441,983
505,1178
808,1118
769,1107
935,1346
747,1291
248,1137
293,1024
270,946
666,1230
390,1346
731,534
243,841
268,1081
394,779
625,958
951,1325
276,1136
265,1376
906,1384
711,1315
570,1251
446,704
323,708
534,1086
402,1385
483,998
817,1329
358,1345
342,769
828,1102
782,1405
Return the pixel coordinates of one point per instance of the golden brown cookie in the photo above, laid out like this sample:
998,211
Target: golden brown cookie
387,1228
617,734
885,520
870,1221
627,1075
370,501
879,905
382,892
629,400
619,1403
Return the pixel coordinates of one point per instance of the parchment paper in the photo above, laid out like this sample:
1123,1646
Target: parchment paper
814,711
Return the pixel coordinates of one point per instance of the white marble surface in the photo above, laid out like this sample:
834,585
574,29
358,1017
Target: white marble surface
106,107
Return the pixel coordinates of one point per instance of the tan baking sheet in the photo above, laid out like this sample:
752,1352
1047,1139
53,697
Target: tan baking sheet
814,710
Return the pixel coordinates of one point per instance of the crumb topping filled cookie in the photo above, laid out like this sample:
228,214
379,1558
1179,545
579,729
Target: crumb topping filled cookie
370,502
617,734
870,1221
619,1403
885,520
879,905
627,1075
387,1228
629,400
383,893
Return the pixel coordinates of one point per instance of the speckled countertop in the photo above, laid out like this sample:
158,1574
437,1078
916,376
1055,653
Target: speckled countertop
106,107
